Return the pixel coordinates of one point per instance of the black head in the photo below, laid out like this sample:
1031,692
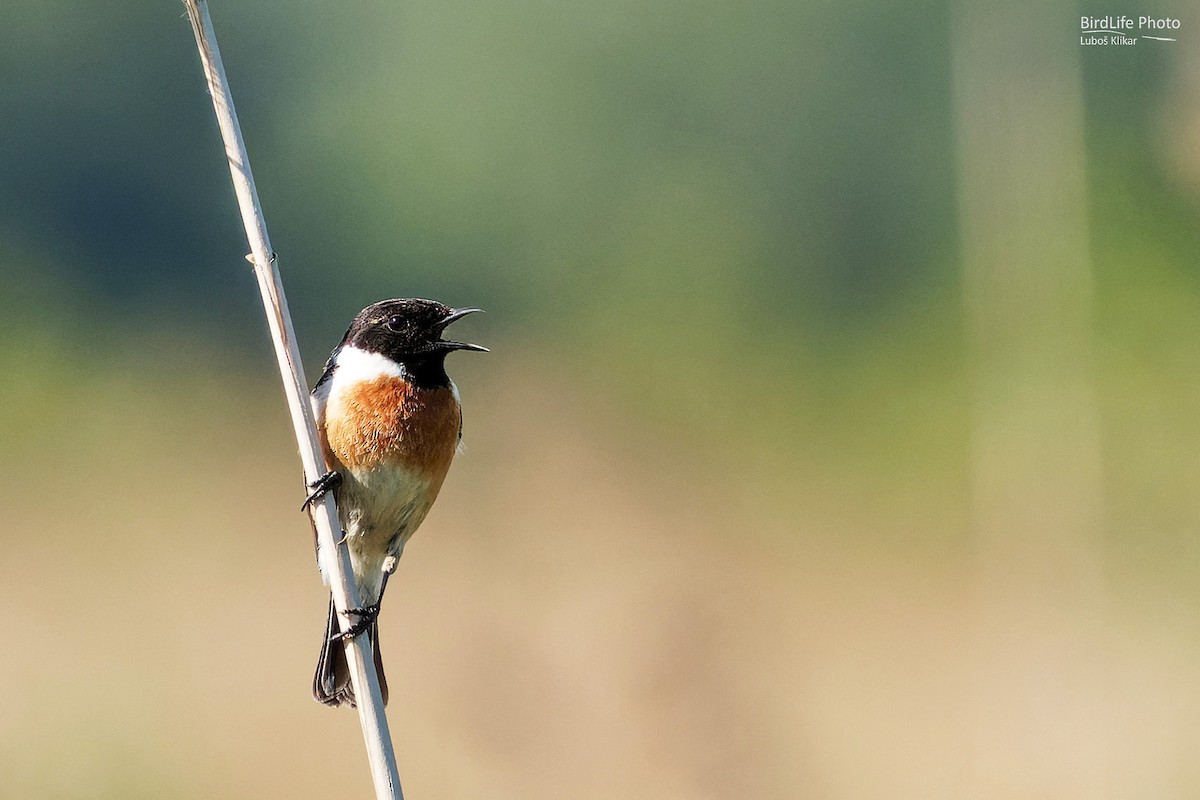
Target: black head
409,332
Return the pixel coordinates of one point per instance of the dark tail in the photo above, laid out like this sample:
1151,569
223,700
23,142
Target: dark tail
331,685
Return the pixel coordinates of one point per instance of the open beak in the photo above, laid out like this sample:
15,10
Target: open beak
455,316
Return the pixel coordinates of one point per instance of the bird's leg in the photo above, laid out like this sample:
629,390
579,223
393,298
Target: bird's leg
389,566
368,614
327,482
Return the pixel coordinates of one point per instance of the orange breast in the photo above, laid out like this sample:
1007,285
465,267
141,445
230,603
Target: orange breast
387,421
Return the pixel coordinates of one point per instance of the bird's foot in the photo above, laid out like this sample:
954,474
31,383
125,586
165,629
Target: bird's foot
327,482
366,616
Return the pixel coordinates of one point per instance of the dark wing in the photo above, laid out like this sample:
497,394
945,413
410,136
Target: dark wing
327,370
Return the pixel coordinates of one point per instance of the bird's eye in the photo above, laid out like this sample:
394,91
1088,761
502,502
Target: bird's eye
395,323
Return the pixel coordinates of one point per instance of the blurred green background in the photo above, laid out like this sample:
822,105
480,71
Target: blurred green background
838,438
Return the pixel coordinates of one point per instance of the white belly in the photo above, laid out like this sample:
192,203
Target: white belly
379,509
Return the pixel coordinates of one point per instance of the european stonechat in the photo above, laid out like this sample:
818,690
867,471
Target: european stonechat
390,423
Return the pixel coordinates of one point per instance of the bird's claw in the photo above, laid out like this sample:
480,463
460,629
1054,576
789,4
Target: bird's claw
327,482
366,616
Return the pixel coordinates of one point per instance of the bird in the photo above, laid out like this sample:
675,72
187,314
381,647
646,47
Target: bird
389,421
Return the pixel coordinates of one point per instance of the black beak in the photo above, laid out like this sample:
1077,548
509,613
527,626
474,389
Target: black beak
455,316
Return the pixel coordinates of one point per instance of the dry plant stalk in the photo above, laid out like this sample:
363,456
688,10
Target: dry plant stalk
324,513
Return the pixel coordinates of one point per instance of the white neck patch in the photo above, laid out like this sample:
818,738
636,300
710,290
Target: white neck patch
354,365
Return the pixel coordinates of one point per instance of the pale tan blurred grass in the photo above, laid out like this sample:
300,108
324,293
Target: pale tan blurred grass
590,611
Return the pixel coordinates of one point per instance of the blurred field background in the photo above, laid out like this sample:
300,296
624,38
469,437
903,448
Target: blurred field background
838,439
